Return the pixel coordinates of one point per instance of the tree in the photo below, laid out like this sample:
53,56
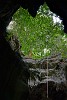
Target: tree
39,36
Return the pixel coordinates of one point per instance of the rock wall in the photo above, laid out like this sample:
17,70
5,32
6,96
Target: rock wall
13,73
55,91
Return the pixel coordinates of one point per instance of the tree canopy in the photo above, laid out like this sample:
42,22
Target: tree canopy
39,36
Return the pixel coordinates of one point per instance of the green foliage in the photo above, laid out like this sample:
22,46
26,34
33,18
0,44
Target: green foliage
36,34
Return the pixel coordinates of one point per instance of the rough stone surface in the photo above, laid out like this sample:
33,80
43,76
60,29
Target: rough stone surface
55,91
13,74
